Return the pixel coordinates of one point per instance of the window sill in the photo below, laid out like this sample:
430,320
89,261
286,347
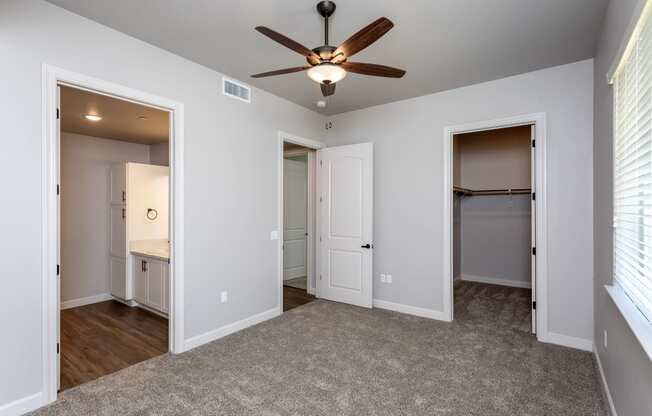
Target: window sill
640,326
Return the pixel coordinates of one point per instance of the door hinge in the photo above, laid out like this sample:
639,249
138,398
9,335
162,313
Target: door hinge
534,143
534,251
57,113
534,304
321,199
534,196
320,238
57,189
321,163
57,270
320,277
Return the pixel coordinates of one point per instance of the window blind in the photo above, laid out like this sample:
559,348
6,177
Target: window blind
633,170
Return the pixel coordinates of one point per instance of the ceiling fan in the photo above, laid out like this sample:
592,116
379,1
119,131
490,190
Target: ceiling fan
329,64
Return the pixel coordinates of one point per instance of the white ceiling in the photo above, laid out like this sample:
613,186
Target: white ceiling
442,44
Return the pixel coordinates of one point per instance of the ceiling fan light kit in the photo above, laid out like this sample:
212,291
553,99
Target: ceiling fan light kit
326,73
327,64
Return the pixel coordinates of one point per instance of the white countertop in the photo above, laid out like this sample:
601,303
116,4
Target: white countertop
158,249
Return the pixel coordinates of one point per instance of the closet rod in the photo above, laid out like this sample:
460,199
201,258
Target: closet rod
513,191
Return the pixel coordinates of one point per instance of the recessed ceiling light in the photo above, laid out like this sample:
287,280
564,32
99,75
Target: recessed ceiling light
142,118
93,117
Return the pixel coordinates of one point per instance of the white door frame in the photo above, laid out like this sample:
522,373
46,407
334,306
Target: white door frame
539,120
310,246
52,77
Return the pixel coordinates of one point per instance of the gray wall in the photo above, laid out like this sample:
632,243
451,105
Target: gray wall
230,172
408,184
627,368
159,154
85,166
496,238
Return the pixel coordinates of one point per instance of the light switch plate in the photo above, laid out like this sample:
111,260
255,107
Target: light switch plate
224,297
273,235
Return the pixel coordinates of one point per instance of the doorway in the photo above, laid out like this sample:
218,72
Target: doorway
493,217
54,79
297,211
339,220
114,217
495,221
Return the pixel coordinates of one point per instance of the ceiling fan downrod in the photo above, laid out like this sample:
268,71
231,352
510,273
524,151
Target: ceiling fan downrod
326,9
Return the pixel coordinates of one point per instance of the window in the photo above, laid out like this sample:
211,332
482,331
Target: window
632,82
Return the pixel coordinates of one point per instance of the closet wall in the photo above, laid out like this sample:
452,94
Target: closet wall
494,231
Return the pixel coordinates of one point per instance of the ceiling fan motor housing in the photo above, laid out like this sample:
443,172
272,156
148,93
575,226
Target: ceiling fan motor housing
326,8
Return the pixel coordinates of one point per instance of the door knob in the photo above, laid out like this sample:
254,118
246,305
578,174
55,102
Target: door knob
366,246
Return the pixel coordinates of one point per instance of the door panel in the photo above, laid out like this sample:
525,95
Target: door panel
346,203
295,215
346,218
140,280
155,284
117,268
166,287
118,184
118,230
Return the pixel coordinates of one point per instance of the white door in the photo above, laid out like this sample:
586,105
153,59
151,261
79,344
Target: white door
295,215
118,183
140,268
118,270
345,192
118,230
533,228
155,284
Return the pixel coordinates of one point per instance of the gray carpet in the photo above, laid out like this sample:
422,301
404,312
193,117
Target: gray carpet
325,358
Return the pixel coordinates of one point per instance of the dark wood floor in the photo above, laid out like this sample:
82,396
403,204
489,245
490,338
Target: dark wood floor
293,297
105,337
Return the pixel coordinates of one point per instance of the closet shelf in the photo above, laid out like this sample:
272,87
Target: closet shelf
482,192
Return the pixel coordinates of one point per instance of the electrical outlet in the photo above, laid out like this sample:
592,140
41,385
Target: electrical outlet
605,339
224,297
389,278
383,278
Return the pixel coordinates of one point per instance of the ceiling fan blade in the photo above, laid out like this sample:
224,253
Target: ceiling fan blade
328,89
363,38
373,69
289,43
281,71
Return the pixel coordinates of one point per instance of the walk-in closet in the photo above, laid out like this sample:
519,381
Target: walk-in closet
493,226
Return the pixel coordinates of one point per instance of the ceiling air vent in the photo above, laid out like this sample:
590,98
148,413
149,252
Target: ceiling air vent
236,90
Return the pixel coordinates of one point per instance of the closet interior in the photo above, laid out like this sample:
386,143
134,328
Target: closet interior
493,224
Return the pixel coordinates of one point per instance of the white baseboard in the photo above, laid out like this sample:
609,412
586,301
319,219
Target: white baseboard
605,386
24,405
567,341
218,333
410,310
73,303
495,281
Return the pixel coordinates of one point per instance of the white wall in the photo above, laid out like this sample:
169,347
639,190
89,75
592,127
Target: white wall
149,187
230,172
495,239
627,368
159,154
408,184
85,166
